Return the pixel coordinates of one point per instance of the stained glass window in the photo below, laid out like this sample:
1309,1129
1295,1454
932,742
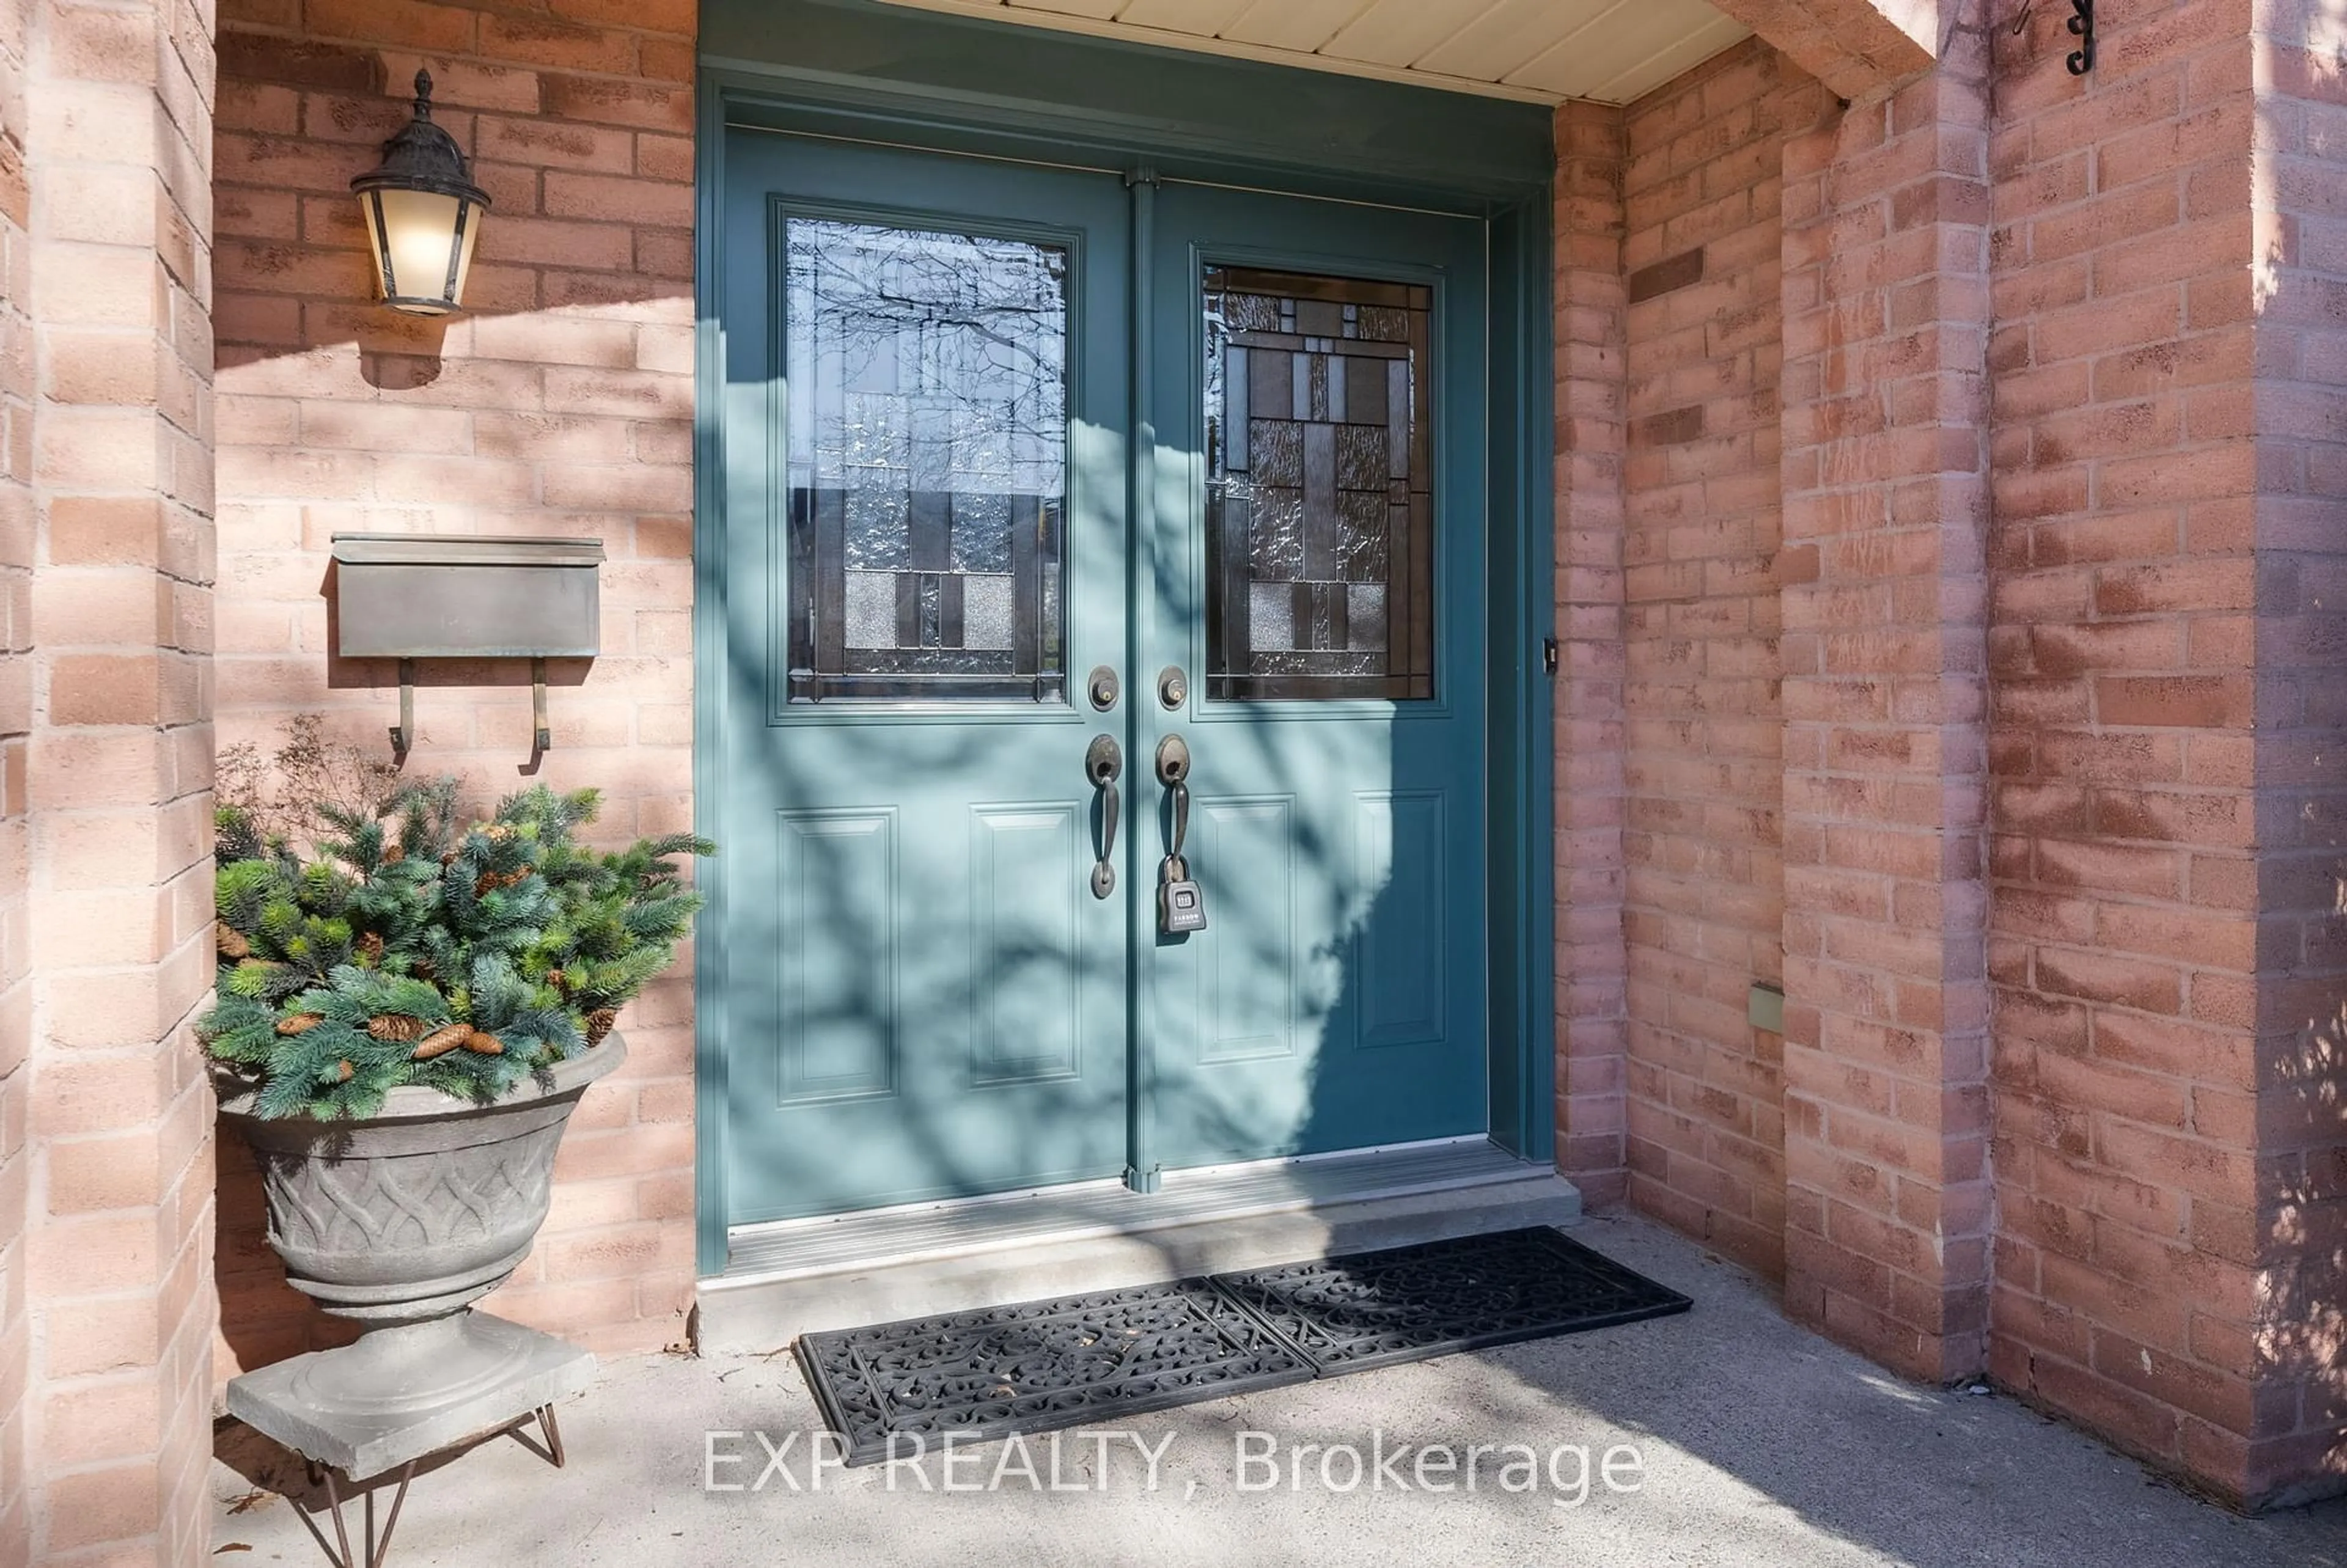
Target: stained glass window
1319,508
928,430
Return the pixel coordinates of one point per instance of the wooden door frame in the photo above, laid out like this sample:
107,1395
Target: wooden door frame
869,72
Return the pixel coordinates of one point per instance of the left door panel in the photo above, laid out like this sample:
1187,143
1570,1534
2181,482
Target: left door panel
926,552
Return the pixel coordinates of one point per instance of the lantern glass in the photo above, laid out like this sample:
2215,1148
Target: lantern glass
414,233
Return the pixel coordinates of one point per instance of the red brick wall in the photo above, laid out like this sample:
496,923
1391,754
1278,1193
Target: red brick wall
1592,1023
1886,516
1703,905
2065,781
16,536
105,872
2298,199
560,404
2125,931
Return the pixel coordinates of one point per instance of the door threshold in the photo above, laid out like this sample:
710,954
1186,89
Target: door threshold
792,1277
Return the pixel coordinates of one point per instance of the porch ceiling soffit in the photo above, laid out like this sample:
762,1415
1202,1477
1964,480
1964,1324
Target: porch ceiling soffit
1539,51
1856,47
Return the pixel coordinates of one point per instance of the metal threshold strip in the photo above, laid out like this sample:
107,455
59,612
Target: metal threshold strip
800,1248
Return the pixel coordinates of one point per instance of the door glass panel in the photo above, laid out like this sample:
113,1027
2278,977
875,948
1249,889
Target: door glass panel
1320,505
929,441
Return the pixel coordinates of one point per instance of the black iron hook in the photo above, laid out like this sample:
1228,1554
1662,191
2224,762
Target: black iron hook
2082,25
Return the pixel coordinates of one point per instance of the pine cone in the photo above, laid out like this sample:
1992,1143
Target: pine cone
440,1041
347,1072
393,854
392,1025
497,832
300,1023
599,1022
558,979
491,881
370,946
231,941
484,1043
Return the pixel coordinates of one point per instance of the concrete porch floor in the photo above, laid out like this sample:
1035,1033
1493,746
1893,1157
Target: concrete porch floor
1760,1444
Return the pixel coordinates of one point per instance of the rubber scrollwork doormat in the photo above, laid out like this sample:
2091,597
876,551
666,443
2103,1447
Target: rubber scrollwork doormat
898,1390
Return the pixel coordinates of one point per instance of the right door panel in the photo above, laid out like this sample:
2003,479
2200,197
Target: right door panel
1314,566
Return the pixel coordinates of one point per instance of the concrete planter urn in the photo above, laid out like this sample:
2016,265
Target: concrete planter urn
405,1011
399,1222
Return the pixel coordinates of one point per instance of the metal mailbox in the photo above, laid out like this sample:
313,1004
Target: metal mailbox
460,596
456,596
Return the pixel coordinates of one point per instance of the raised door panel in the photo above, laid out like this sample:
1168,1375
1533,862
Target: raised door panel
1246,857
835,875
1027,875
1401,858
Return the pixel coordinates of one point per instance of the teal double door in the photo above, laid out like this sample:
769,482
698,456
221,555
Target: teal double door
1034,476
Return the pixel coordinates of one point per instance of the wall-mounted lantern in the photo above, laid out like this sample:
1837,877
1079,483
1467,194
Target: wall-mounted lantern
423,213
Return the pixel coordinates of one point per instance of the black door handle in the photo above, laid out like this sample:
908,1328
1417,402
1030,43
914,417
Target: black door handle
1181,902
1174,771
1104,764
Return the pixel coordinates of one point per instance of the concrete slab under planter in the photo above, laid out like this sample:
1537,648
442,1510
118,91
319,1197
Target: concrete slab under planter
370,1407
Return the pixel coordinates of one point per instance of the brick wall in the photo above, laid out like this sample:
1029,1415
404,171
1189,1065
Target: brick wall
1592,1023
1885,521
1705,771
2299,227
560,404
108,807
2126,943
2066,780
16,540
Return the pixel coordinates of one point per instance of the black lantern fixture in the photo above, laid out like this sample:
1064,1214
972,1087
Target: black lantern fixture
423,213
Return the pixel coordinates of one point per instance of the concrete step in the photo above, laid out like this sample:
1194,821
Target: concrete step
798,1276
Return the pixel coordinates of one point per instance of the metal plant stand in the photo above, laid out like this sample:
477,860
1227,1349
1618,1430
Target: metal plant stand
373,1547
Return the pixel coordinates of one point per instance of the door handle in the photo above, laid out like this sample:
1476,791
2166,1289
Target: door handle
1104,764
1181,902
1174,771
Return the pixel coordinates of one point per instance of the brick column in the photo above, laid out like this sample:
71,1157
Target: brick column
16,508
2163,947
1885,516
2296,1446
1592,965
1704,911
116,1257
